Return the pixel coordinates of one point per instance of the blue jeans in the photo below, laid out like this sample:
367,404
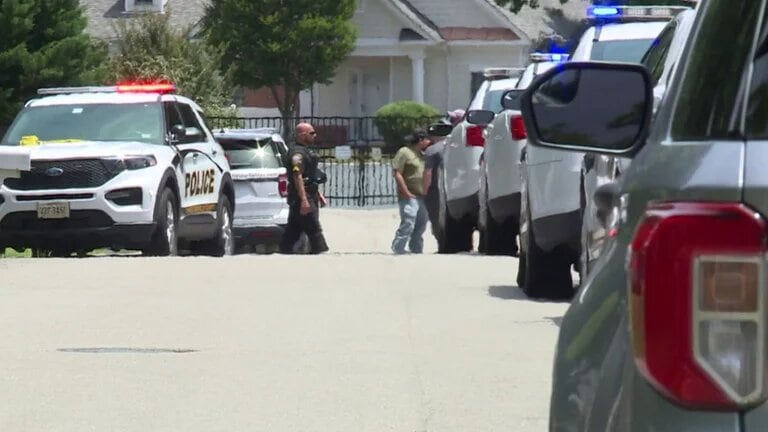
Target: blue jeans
413,223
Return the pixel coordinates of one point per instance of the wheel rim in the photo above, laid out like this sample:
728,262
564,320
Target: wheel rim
170,229
226,233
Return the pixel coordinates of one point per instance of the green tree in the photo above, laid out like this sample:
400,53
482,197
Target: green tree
44,44
286,46
150,49
516,5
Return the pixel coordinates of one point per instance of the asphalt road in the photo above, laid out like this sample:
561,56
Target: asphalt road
356,340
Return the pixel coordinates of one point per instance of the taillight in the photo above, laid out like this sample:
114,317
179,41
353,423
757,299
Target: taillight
517,127
697,303
475,136
282,185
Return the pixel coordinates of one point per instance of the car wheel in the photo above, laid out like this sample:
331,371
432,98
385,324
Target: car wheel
224,242
165,240
547,274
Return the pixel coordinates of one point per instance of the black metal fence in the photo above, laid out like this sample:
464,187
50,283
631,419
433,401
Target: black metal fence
333,131
361,181
354,155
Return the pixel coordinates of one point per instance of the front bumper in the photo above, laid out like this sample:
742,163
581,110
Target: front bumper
83,230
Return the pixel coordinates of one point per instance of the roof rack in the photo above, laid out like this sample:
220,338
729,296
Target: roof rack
269,131
634,13
496,73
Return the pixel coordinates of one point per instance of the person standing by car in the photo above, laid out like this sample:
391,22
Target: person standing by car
433,158
408,165
303,194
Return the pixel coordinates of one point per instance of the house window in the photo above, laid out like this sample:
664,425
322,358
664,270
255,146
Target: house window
476,82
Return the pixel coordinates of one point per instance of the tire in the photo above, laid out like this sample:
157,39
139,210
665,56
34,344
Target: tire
496,239
165,241
223,244
547,274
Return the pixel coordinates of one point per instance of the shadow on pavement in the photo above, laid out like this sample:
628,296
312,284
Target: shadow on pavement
511,292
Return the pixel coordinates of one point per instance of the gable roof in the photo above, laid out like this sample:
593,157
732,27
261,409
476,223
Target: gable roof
465,20
104,14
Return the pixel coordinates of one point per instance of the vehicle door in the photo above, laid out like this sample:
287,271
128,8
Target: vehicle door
200,177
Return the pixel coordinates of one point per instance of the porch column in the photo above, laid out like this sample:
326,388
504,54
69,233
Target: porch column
417,67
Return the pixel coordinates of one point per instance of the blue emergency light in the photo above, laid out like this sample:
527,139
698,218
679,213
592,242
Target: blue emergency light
549,57
603,11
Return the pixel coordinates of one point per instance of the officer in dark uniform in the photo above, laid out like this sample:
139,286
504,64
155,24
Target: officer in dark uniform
304,178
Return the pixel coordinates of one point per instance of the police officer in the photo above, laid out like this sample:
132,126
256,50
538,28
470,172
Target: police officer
304,176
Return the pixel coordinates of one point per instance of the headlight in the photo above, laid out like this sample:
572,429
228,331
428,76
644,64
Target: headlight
139,162
118,165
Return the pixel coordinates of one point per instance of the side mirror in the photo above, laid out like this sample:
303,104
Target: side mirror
439,129
193,132
511,99
603,108
480,117
178,131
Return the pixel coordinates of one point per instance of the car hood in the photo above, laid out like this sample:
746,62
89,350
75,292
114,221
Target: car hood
92,149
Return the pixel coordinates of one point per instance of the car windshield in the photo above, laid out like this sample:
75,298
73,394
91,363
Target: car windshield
244,154
631,50
87,122
492,100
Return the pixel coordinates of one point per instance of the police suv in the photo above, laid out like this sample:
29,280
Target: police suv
129,166
261,184
500,183
601,172
551,201
459,178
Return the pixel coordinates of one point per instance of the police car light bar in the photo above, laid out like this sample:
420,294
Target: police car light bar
120,88
633,12
501,73
549,57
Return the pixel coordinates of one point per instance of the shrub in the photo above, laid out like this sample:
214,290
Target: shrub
397,119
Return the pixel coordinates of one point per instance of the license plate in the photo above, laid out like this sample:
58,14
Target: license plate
59,210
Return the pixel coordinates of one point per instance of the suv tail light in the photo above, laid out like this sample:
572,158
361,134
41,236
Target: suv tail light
697,303
517,127
282,185
475,136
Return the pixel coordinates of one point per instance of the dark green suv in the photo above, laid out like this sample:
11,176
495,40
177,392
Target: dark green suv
668,332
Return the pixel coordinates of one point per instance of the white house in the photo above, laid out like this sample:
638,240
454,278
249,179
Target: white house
431,51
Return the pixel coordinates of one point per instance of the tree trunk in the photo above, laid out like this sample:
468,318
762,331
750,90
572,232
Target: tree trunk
287,107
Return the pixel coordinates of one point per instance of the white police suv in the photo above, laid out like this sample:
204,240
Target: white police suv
459,179
125,167
551,199
500,179
602,171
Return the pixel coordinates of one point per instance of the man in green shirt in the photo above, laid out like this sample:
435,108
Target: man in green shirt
408,166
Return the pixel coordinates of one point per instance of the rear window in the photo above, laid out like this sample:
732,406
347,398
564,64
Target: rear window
244,154
630,50
492,101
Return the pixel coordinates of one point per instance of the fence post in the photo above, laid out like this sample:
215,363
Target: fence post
361,176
